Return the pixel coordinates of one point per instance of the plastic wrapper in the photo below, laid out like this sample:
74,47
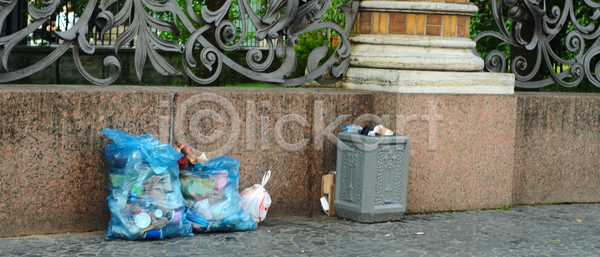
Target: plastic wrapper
212,196
145,199
256,200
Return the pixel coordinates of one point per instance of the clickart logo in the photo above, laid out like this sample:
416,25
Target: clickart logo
261,130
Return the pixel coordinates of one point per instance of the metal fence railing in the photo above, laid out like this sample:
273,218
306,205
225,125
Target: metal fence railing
252,42
63,19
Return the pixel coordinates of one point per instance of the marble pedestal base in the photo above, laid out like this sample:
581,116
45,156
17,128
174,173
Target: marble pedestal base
430,82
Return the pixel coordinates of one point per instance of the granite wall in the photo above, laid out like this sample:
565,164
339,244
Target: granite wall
462,148
52,167
268,122
53,175
467,151
557,148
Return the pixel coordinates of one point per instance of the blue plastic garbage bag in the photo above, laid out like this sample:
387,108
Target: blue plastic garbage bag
145,199
212,196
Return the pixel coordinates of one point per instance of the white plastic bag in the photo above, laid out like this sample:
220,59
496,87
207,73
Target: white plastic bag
256,200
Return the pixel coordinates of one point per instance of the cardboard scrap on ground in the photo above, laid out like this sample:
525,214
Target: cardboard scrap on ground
328,193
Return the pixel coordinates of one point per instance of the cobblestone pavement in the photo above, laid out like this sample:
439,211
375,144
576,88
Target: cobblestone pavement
570,230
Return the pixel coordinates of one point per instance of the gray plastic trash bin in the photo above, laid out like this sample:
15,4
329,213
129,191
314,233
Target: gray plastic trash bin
371,177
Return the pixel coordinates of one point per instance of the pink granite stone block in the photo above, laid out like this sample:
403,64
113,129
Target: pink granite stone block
557,148
54,174
467,151
462,148
276,131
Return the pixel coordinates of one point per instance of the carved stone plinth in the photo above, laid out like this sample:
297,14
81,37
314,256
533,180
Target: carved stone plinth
418,47
371,178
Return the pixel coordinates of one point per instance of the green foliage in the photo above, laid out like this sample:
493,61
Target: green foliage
310,41
184,33
335,15
484,21
505,208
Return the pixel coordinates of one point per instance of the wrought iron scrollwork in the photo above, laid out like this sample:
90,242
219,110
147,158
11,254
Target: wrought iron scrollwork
546,27
280,31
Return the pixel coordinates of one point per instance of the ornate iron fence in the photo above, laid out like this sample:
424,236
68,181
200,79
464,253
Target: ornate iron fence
534,30
279,27
62,20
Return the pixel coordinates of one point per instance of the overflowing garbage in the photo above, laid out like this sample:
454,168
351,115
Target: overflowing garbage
145,197
212,198
381,160
378,130
159,191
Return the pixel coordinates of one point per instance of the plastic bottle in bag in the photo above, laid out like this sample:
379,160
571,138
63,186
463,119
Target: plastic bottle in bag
145,200
212,196
256,200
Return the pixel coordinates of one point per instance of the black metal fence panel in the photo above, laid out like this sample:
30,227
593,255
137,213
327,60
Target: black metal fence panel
534,29
135,23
